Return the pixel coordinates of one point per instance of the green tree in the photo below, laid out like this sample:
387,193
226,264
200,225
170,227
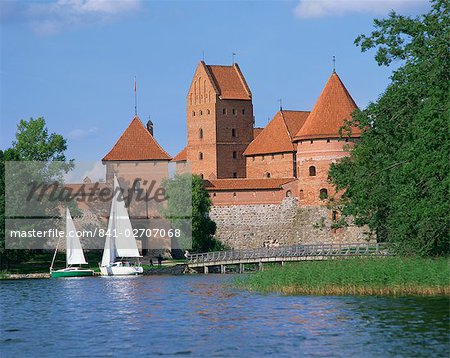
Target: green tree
396,179
192,204
33,143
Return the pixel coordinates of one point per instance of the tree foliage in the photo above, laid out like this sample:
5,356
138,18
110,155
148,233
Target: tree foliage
197,201
33,143
396,179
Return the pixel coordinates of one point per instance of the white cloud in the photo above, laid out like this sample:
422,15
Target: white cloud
82,133
326,8
48,18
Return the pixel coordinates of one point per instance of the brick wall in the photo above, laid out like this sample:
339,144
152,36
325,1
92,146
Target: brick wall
279,165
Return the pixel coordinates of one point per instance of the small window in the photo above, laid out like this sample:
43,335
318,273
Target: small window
193,113
200,133
288,194
346,139
334,215
201,113
208,111
233,132
201,175
312,171
311,141
262,158
328,141
273,156
200,155
253,159
282,155
224,111
234,175
323,194
234,155
137,185
243,111
214,194
267,175
234,194
234,112
301,194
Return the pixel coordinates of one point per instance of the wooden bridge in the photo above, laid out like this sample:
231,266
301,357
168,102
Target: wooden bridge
220,260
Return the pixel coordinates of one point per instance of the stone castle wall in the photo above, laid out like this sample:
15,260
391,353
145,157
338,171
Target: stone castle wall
254,226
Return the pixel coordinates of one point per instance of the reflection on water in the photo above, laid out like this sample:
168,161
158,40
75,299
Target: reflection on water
203,316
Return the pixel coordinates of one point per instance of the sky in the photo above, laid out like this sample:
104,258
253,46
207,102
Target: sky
73,62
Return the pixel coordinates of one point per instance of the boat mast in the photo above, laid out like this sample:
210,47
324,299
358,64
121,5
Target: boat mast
54,255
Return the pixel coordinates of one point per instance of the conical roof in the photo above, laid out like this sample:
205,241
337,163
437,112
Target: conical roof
136,143
331,109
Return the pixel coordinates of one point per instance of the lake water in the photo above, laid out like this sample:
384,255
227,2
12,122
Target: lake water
203,316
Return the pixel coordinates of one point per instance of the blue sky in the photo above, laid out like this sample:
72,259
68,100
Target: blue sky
74,61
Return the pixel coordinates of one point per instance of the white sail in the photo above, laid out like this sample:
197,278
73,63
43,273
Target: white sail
125,241
74,252
119,225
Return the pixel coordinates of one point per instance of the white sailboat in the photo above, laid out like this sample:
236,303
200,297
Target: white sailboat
74,254
120,244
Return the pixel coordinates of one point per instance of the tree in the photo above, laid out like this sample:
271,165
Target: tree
184,203
32,143
396,178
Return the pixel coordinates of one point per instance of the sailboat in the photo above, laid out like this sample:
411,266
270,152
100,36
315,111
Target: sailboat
74,254
120,244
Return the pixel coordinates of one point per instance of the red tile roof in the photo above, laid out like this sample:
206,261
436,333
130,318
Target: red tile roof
136,143
333,106
182,156
246,184
229,81
256,132
277,136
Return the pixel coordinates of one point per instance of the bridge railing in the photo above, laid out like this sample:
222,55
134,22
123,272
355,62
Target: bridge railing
356,249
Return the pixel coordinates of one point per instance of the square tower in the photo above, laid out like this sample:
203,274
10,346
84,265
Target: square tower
219,114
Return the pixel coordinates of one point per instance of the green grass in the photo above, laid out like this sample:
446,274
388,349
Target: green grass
361,276
40,263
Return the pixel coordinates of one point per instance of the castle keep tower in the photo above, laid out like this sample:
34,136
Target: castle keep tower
219,115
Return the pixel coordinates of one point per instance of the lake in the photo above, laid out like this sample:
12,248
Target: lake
203,316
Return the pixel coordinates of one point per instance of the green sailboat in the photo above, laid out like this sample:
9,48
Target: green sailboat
74,254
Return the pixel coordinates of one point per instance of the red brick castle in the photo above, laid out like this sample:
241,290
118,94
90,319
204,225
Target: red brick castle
241,164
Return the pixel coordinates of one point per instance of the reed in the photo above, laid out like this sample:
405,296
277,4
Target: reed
395,276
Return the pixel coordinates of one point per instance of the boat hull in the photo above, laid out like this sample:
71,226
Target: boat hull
69,272
121,270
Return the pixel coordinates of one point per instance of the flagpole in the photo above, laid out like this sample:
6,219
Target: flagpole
135,97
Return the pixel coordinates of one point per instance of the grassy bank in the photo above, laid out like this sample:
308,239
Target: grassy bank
359,276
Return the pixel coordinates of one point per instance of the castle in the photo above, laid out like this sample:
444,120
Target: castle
242,165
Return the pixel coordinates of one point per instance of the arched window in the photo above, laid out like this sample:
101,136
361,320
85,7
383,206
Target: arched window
233,132
201,112
234,155
200,155
323,194
234,175
301,194
288,194
208,111
312,171
201,175
267,175
200,133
